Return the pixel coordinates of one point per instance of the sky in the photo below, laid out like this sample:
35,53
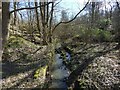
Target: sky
63,0
76,5
72,6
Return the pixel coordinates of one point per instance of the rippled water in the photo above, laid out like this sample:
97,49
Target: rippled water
59,73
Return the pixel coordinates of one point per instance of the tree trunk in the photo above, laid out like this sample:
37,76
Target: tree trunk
43,23
0,30
37,19
15,13
5,21
93,14
118,28
50,24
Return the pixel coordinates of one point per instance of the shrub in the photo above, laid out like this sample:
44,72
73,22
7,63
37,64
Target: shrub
100,35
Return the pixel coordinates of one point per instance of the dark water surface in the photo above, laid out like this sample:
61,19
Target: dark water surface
59,73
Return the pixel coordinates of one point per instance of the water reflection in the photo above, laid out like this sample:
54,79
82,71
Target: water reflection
60,72
68,56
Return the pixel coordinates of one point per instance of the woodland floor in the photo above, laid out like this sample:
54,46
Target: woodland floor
19,74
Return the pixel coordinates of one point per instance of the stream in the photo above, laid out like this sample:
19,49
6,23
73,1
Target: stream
60,72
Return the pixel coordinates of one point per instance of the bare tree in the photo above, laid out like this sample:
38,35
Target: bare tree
0,30
46,13
43,23
65,22
5,21
118,5
37,18
15,13
118,24
46,21
50,22
93,13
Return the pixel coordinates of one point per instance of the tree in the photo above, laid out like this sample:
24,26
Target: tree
116,23
46,16
15,13
93,14
5,21
118,29
0,30
37,19
46,21
64,16
64,28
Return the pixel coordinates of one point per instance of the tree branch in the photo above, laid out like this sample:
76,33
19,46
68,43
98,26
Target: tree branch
28,8
118,5
57,3
65,22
